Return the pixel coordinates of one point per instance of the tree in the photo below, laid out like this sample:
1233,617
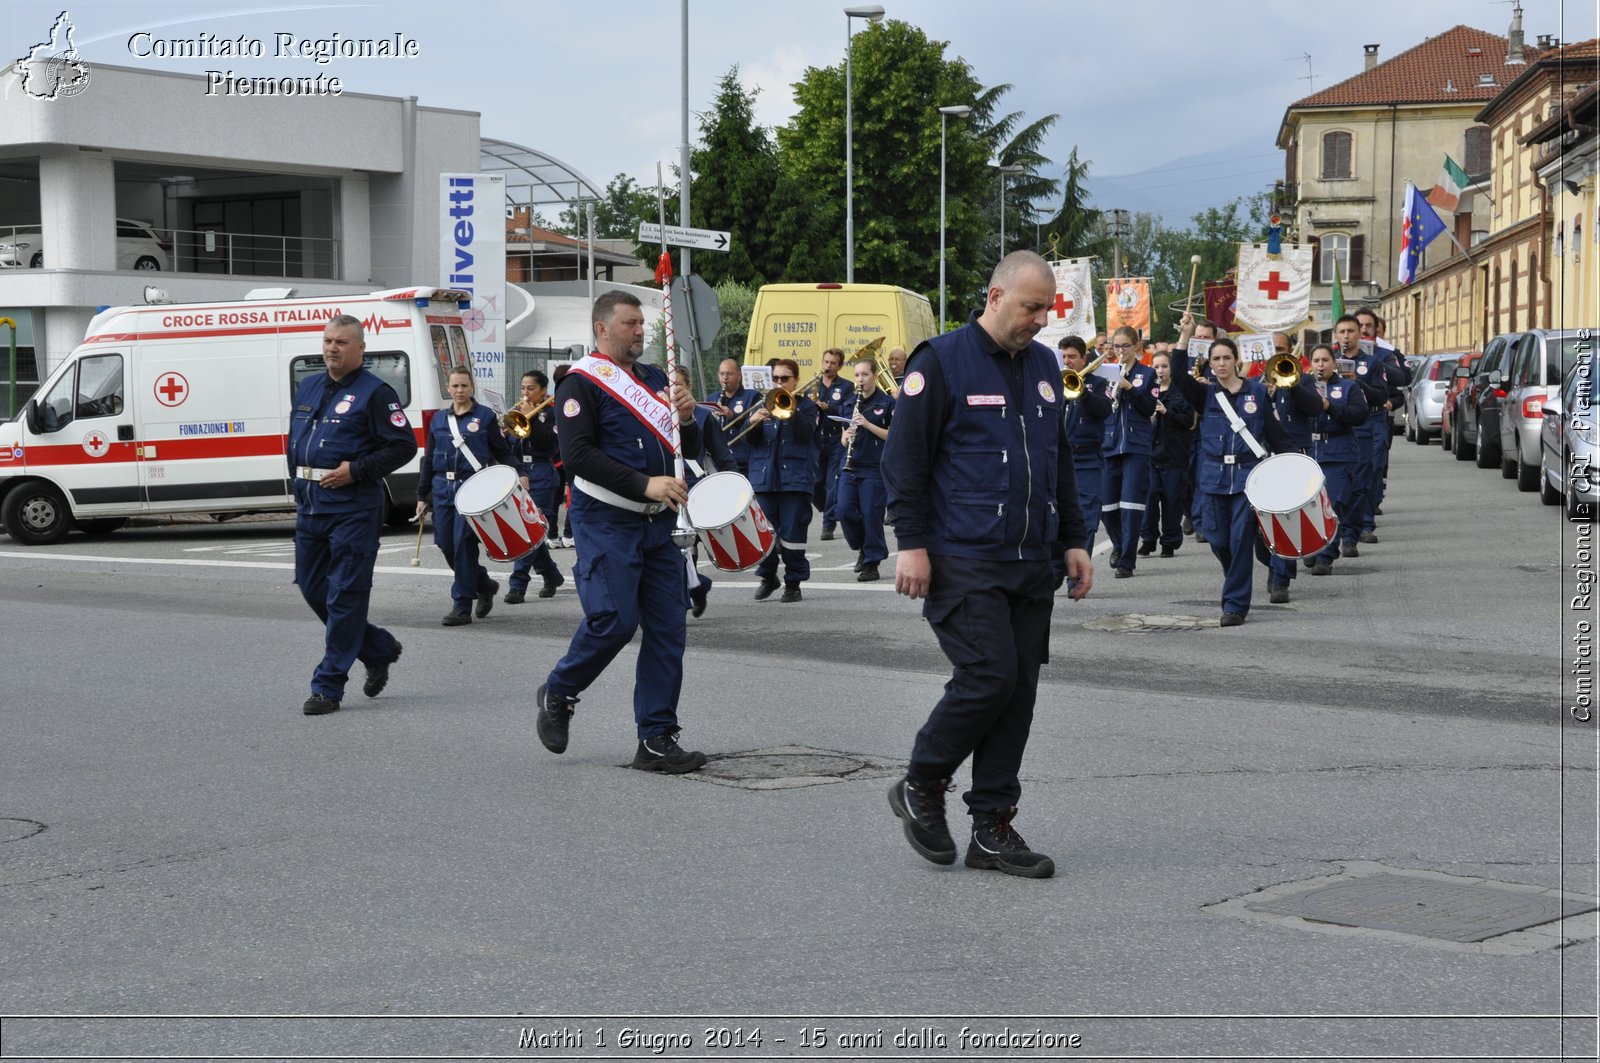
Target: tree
900,79
1075,231
735,180
1010,146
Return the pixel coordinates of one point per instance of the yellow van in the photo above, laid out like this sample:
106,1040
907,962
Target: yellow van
800,321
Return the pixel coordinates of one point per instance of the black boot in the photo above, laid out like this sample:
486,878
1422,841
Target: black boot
996,847
921,806
662,753
555,714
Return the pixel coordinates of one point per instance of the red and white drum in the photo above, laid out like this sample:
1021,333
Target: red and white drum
729,520
502,513
1290,496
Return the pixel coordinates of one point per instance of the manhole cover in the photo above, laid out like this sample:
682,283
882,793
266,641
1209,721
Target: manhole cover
1130,623
14,830
788,767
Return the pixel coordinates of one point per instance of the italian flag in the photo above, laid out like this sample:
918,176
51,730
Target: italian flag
1446,195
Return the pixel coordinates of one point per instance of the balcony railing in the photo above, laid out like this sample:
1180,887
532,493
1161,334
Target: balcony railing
193,251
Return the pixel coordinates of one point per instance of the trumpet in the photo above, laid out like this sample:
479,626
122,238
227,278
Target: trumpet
519,424
779,403
1283,371
1075,382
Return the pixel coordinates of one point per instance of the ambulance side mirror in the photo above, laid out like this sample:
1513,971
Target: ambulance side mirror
30,416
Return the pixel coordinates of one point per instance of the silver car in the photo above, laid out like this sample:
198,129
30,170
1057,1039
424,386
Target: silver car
1569,462
138,247
1425,396
1535,368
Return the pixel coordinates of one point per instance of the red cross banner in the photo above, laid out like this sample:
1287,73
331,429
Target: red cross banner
1128,303
1274,293
1072,313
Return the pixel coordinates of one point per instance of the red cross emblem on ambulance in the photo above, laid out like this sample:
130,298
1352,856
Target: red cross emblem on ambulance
171,389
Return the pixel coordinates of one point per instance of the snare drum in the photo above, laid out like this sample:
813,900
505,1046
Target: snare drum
725,513
1290,496
502,513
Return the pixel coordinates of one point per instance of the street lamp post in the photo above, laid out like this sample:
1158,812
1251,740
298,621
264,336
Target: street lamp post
945,114
1013,168
872,13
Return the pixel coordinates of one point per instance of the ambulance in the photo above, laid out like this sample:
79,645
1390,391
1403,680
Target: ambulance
184,408
800,321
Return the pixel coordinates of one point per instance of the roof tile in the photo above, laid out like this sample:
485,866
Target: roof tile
1448,68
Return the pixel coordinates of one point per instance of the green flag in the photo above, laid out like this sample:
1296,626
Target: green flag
1338,294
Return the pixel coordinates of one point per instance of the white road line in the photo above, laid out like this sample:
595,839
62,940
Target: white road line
198,562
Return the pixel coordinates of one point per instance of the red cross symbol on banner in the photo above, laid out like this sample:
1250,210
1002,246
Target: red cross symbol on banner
1062,305
1274,286
171,389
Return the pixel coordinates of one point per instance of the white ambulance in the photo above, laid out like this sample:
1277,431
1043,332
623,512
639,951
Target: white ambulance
184,408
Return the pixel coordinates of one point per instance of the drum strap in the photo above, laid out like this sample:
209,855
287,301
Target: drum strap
461,444
1238,423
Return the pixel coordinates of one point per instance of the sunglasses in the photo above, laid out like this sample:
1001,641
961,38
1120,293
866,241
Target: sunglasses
781,379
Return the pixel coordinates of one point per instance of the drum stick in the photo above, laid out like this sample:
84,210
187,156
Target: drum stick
416,558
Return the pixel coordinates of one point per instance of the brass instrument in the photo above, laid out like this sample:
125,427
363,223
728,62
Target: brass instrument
519,424
779,403
1283,371
880,364
1074,382
814,383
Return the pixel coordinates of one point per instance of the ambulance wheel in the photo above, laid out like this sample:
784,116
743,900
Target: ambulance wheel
101,525
36,514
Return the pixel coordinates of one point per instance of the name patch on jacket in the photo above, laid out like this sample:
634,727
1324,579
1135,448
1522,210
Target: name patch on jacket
986,400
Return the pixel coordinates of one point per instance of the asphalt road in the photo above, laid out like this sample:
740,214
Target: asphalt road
176,839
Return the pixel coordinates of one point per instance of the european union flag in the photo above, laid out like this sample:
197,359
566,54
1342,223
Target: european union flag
1418,227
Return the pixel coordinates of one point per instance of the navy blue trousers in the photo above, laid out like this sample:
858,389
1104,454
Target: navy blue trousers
1164,509
1124,486
862,500
826,495
334,555
790,513
1233,537
453,535
545,496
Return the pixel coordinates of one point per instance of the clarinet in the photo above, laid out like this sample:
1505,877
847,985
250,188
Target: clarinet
855,430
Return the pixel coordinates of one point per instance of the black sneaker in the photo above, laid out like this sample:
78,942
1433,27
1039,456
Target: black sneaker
662,753
869,573
1169,551
1350,549
1322,568
550,585
921,806
1124,573
827,533
319,705
1277,593
791,593
1146,549
1368,537
997,847
1188,526
486,600
515,597
555,713
697,599
1231,619
378,675
456,617
768,585
861,560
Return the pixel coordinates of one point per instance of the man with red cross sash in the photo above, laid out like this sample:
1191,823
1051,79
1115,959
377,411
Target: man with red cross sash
616,436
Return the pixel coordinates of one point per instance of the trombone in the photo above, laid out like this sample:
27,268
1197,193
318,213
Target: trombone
518,423
779,403
1074,382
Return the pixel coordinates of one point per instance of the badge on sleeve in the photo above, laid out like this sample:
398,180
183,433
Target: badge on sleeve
914,384
570,408
397,419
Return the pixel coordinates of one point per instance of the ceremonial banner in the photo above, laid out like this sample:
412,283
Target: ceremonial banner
1073,311
1274,293
1418,226
1128,304
1220,298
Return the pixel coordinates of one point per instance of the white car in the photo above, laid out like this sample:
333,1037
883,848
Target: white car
138,247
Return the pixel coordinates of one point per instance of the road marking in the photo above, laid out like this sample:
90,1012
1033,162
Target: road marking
200,562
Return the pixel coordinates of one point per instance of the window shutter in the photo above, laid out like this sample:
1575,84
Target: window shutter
1316,260
1358,258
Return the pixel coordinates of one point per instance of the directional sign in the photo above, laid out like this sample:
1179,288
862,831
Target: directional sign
678,236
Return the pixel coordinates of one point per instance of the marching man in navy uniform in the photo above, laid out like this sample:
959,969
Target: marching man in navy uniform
347,431
536,461
1295,408
732,400
835,395
1125,483
984,502
462,439
1086,429
616,439
862,499
783,471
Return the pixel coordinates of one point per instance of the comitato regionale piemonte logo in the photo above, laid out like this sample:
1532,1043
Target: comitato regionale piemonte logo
53,69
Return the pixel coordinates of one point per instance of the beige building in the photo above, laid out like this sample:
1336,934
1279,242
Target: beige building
1567,154
1351,148
1459,303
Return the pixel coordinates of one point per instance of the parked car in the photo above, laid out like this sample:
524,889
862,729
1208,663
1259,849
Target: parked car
1460,377
1476,418
1430,380
1541,361
138,247
1569,460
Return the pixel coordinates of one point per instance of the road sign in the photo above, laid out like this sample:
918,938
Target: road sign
704,317
678,236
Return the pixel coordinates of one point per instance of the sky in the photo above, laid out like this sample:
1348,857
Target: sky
1141,86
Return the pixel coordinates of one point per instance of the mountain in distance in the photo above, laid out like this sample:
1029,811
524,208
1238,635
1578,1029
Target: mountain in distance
1178,189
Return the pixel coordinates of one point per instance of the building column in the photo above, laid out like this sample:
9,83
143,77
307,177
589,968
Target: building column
78,209
352,227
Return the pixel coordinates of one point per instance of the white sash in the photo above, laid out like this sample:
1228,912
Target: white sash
1238,423
638,399
461,444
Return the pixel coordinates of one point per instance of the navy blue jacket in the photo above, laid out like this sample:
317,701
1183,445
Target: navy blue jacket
714,445
1173,434
740,401
1333,437
1086,417
536,456
603,442
866,453
358,419
1128,429
785,454
1373,380
834,400
1225,460
1296,408
444,468
977,464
